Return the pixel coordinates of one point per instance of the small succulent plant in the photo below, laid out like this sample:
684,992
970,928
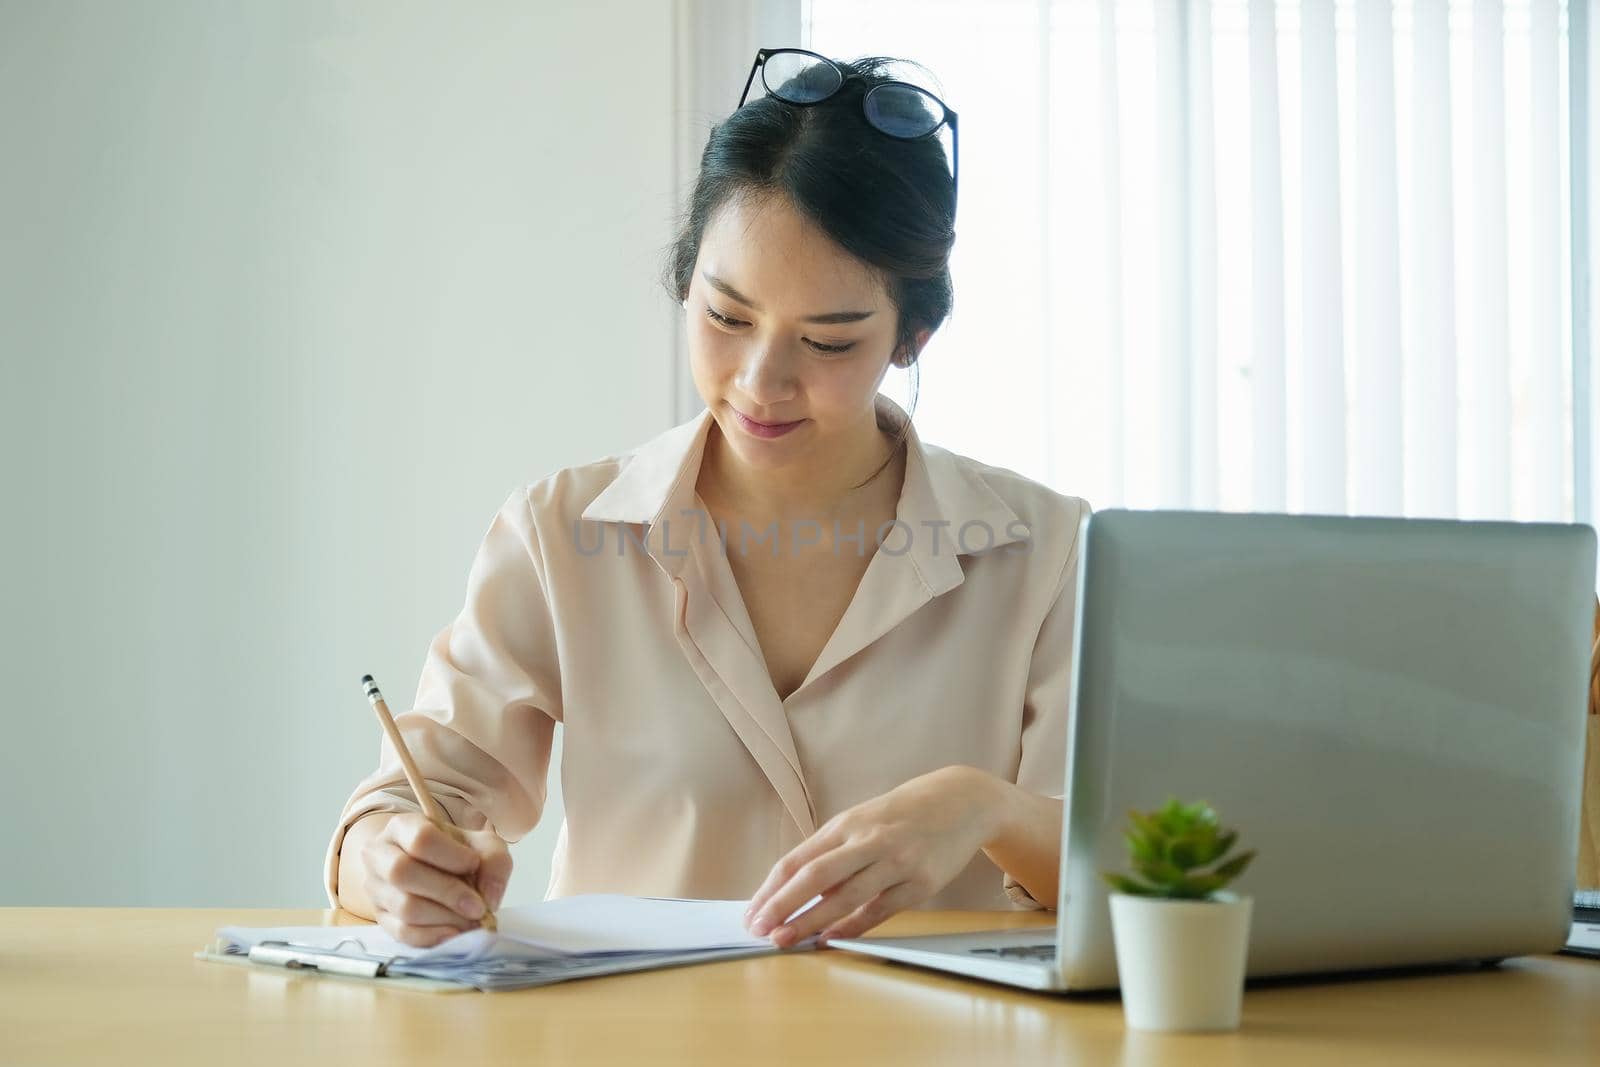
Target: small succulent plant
1168,849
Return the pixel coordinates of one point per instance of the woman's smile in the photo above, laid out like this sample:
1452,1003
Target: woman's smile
764,430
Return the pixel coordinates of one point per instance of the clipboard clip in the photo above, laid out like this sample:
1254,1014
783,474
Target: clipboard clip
299,957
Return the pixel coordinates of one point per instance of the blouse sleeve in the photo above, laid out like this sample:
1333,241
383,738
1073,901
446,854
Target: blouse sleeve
489,697
1045,707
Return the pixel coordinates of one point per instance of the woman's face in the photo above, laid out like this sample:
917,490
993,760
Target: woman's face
789,336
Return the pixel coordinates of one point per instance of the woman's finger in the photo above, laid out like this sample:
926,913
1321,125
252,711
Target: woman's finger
797,857
890,902
411,875
433,846
418,911
837,903
420,936
807,880
494,866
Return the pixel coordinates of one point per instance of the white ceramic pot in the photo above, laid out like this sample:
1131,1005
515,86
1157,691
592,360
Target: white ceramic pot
1181,962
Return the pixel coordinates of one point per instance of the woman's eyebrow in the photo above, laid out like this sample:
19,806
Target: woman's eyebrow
830,318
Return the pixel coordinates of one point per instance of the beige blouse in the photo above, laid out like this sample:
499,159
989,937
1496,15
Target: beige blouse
601,599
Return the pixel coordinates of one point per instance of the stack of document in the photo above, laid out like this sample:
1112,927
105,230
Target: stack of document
536,944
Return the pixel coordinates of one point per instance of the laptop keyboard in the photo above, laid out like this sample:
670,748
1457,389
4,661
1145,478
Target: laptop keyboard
1019,952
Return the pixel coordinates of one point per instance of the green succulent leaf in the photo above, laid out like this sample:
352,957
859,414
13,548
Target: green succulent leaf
1196,886
1148,826
1184,853
1139,847
1159,871
1124,884
1235,867
1219,846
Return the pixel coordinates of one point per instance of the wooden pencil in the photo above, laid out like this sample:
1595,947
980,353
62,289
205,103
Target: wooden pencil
432,810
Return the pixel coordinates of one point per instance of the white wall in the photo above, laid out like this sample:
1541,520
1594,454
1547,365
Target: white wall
292,294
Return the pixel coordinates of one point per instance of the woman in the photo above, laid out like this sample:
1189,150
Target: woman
795,651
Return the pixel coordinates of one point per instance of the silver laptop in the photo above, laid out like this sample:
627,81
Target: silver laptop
1389,710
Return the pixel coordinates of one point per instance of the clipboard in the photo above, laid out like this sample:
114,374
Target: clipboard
565,939
311,961
303,961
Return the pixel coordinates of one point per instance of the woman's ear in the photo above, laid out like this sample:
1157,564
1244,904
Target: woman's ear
907,353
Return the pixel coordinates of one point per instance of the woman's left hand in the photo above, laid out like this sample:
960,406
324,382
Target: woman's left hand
880,857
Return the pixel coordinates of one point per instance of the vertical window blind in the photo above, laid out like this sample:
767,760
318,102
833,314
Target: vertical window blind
1283,255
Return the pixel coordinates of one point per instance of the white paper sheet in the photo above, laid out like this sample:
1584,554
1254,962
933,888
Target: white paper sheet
1585,935
610,923
594,923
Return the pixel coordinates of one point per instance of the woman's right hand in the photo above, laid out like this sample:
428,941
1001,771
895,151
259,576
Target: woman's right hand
425,886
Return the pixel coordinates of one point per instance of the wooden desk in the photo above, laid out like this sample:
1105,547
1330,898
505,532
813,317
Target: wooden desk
105,985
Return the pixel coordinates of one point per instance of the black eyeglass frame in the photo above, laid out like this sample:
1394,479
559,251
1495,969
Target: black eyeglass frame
948,118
